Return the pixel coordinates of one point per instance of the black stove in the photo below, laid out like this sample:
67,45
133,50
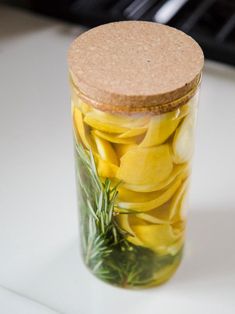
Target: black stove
210,22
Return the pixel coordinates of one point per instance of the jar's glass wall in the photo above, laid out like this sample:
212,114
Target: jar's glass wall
132,176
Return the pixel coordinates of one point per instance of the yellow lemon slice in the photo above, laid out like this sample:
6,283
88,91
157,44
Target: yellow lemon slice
145,165
160,128
125,195
159,215
176,202
95,122
170,211
85,108
113,138
159,186
80,127
123,221
183,141
179,228
121,149
181,214
77,101
180,211
105,169
156,237
74,97
114,123
129,121
175,247
163,240
161,198
133,132
105,150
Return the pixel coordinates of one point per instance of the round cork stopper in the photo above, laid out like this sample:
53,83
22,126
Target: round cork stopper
135,66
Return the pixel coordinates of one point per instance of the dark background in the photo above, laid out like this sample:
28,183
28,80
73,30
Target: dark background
210,22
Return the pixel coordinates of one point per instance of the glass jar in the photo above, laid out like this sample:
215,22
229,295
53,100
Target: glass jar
132,169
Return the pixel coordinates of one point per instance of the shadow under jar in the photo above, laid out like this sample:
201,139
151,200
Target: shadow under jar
134,88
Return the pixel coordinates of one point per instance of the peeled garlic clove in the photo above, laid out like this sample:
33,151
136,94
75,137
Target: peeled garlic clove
183,141
105,150
145,165
184,111
80,127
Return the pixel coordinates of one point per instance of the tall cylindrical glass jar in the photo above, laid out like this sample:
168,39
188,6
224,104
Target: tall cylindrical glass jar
134,98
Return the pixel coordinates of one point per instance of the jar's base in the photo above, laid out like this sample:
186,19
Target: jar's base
164,275
166,266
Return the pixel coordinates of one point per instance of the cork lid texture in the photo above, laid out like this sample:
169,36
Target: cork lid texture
134,66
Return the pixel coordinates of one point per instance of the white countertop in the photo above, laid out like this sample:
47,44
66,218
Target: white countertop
39,256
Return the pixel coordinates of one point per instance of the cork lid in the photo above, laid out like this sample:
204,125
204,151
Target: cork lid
134,66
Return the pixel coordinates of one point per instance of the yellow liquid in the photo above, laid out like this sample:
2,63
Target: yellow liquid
148,156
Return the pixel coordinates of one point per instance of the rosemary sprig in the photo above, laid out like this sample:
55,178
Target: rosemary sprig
106,250
99,201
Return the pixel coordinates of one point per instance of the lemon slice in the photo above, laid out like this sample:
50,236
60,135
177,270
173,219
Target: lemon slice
183,141
179,228
180,209
106,158
169,212
80,127
74,97
121,149
125,195
133,132
105,150
113,138
159,186
158,215
156,237
129,121
161,197
95,122
85,108
145,165
114,123
177,200
160,128
123,221
105,169
164,239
